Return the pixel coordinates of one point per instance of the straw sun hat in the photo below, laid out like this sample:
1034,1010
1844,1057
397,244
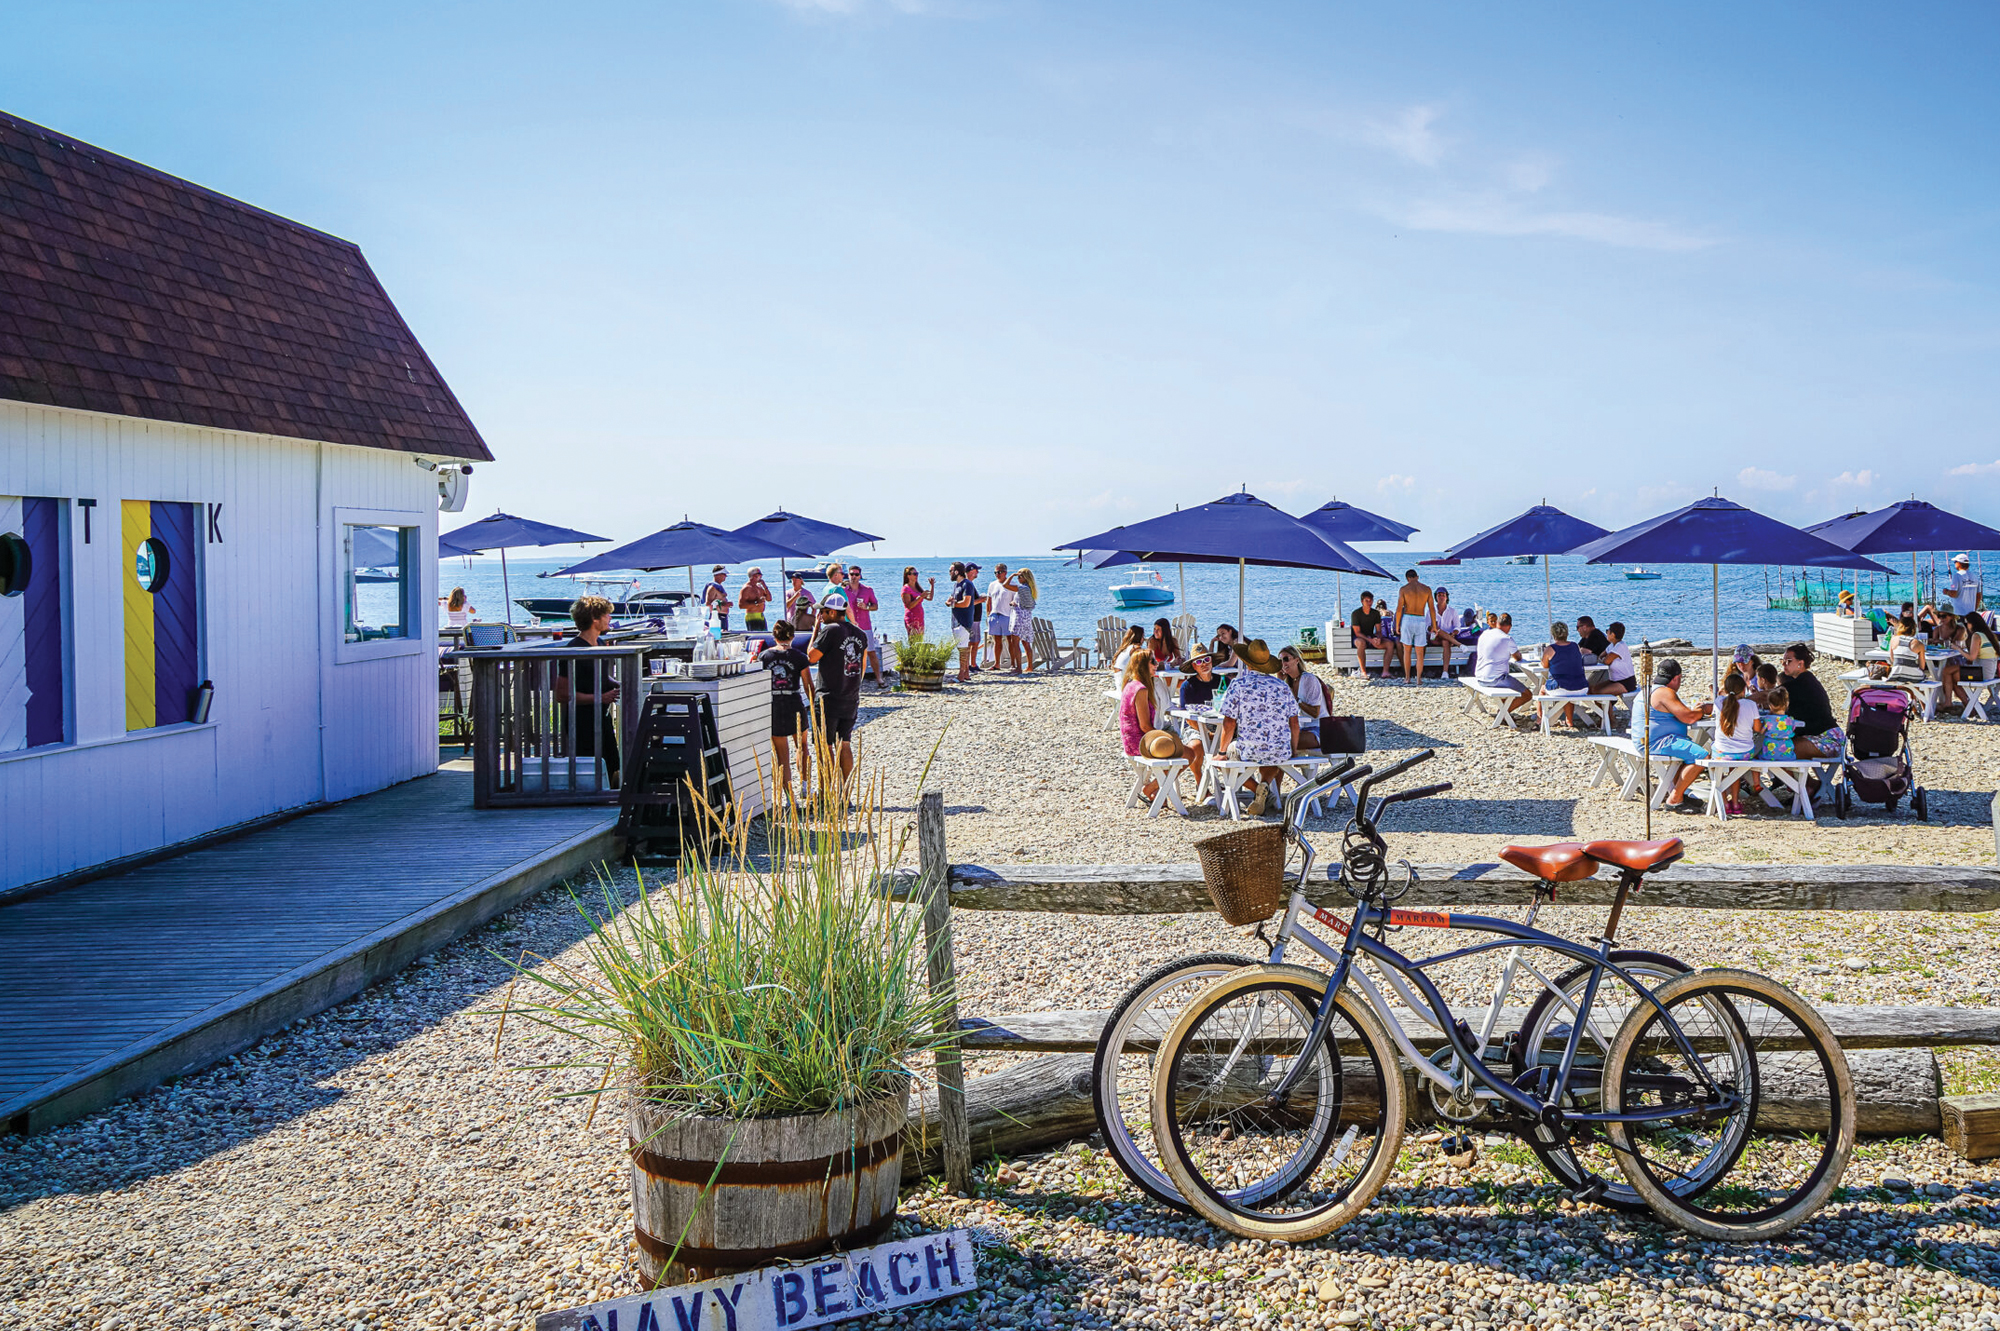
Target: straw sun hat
1257,656
1160,744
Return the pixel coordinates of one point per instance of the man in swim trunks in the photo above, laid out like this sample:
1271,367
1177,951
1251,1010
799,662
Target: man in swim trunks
1415,618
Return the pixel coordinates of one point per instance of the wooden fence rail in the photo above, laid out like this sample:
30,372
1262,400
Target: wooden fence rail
1161,889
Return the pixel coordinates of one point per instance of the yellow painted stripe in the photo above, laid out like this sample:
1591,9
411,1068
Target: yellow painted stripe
139,657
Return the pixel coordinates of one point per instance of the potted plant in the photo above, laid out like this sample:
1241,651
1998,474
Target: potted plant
921,662
759,1021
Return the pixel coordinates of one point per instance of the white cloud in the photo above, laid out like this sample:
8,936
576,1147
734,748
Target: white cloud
1285,487
1860,480
1756,478
1975,469
1495,215
1410,135
1528,174
1395,482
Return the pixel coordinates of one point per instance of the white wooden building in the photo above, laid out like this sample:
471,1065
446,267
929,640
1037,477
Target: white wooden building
219,453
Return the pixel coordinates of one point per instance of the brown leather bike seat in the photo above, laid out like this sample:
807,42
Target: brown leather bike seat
1638,856
1564,862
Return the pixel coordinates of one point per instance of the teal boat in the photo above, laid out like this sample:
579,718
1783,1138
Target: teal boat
1143,590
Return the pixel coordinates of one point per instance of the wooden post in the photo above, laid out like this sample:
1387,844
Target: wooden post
1643,701
936,871
1996,826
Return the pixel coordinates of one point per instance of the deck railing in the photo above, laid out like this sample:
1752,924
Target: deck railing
533,742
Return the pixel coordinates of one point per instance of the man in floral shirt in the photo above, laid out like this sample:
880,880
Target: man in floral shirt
1260,719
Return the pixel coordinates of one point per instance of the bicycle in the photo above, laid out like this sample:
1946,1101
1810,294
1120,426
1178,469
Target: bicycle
1282,1100
1122,1068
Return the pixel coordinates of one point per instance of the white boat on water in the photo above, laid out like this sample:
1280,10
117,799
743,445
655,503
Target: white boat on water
1523,559
1640,575
1143,590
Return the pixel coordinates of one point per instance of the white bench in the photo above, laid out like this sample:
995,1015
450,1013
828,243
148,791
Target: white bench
1167,772
1342,655
1598,705
1980,694
1618,760
1227,778
1725,773
1489,701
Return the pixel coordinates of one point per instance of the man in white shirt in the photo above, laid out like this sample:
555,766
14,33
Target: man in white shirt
1962,588
1496,652
1001,595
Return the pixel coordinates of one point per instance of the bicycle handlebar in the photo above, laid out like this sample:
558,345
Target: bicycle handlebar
1394,769
1418,793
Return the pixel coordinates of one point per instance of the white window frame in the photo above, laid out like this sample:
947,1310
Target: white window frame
419,642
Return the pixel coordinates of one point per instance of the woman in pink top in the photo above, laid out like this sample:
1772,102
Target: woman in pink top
913,601
1135,709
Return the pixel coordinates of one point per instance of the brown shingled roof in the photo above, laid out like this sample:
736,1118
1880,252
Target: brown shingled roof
130,291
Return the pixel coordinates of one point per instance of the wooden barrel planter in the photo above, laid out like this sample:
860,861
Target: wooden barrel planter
735,1193
923,681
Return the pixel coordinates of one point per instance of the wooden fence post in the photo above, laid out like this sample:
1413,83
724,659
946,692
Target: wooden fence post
935,869
1996,826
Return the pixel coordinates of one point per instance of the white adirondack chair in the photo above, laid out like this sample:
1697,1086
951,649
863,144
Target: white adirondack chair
1184,629
1110,630
1051,655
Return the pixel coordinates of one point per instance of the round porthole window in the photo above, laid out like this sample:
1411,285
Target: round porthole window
149,566
17,564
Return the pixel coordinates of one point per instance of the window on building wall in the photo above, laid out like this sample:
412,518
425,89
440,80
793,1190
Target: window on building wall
162,595
33,662
379,577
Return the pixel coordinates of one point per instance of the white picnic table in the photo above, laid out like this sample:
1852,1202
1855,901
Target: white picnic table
1597,704
1208,725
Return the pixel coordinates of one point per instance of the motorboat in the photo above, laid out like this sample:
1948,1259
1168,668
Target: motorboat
1144,589
1524,559
627,600
1436,563
1640,575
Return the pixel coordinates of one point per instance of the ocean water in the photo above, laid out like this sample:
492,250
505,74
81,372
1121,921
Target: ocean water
1279,601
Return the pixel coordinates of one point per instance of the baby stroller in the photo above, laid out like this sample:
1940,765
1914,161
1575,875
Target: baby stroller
1880,766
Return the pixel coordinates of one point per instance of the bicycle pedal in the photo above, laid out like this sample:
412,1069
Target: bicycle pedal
1459,1152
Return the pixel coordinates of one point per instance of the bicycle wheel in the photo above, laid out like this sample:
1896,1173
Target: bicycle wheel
1761,1166
1582,1163
1294,1173
1121,1075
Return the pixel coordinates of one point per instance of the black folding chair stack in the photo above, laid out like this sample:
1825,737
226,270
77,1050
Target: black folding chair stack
676,782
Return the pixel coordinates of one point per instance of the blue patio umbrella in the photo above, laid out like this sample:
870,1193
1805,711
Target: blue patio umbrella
801,533
686,543
1346,523
1103,559
1542,530
1910,524
503,531
1715,532
1238,529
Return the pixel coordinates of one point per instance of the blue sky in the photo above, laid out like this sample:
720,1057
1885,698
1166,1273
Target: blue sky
980,275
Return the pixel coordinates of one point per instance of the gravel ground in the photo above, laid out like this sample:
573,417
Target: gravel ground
379,1166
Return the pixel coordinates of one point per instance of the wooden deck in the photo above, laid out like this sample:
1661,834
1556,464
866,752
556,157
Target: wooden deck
120,983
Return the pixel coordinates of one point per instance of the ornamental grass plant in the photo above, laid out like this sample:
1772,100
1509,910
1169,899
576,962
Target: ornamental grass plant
754,985
930,656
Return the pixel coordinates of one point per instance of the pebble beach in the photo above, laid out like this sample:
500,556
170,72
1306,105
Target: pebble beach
398,1161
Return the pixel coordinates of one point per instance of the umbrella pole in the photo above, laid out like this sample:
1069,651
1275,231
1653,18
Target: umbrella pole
506,587
1548,597
1644,698
1715,629
1183,569
1241,630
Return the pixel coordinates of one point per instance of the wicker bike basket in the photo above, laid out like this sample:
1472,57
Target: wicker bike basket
1245,872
